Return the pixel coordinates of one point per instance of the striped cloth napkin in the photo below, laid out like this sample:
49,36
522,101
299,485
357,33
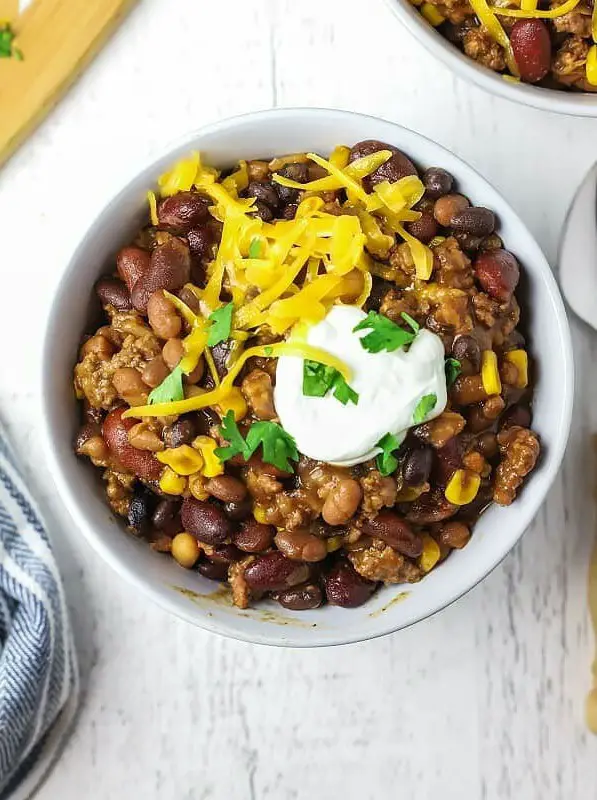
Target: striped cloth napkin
39,682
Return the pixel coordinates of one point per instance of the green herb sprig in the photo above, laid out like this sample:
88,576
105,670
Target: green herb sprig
385,334
278,447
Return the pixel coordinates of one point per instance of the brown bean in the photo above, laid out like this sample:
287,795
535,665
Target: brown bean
423,229
498,273
274,572
100,346
531,45
226,488
213,571
164,514
170,269
264,192
448,205
129,385
396,532
301,546
254,537
417,466
468,389
239,511
155,371
162,316
172,352
454,534
344,586
477,221
205,521
139,462
113,292
437,182
183,211
301,598
132,263
183,431
398,166
342,501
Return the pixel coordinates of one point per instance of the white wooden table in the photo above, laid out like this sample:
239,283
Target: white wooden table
483,701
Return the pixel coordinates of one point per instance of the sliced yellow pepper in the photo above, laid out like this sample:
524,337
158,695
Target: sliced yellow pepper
490,373
432,15
462,487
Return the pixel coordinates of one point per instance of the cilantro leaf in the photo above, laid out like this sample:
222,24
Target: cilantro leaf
236,443
7,48
453,370
386,461
255,248
268,350
221,326
319,379
412,323
424,406
385,334
170,389
278,447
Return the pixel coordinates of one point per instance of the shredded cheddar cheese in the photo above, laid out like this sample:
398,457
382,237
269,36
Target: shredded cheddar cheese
552,13
487,18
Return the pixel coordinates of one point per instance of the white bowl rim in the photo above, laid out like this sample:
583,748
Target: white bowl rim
576,104
183,610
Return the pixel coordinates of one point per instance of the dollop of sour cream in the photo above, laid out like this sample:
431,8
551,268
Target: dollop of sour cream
390,387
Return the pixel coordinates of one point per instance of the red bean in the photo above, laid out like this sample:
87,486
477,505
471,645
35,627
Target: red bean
430,507
345,587
205,521
417,466
213,571
274,572
396,532
132,263
183,211
226,488
423,229
498,273
113,292
142,463
170,269
532,49
301,598
254,537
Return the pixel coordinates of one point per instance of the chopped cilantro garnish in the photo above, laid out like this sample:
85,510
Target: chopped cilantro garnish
318,380
278,447
221,325
424,406
268,350
170,389
412,323
453,370
385,334
386,461
7,48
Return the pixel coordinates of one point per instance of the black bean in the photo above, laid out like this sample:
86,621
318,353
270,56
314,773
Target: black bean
264,193
220,354
183,431
437,182
239,511
263,211
295,172
417,466
465,347
140,509
164,513
475,220
289,211
301,598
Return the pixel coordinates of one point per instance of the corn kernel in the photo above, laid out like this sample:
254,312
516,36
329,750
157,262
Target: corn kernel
212,465
431,553
184,460
520,360
234,401
490,374
591,67
432,15
462,487
197,487
334,543
259,514
171,483
185,549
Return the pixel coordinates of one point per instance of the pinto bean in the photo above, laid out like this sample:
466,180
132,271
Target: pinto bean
448,205
162,316
393,530
226,488
301,546
454,534
170,269
113,292
345,587
155,372
132,263
129,385
274,572
183,211
342,501
142,463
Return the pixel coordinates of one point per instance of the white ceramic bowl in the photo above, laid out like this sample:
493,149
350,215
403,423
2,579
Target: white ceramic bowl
186,593
578,104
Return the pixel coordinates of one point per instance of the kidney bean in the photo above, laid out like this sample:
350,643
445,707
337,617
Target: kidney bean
423,229
295,172
345,587
342,501
454,534
205,521
417,466
164,514
142,463
430,507
531,46
226,488
140,509
183,211
393,530
274,572
113,292
398,166
517,415
466,347
162,316
239,511
498,273
448,205
289,211
477,221
180,432
254,537
213,571
468,242
132,263
265,193
437,182
301,598
225,554
263,211
301,546
170,269
200,242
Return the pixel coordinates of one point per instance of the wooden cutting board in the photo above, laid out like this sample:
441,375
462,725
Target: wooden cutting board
58,38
